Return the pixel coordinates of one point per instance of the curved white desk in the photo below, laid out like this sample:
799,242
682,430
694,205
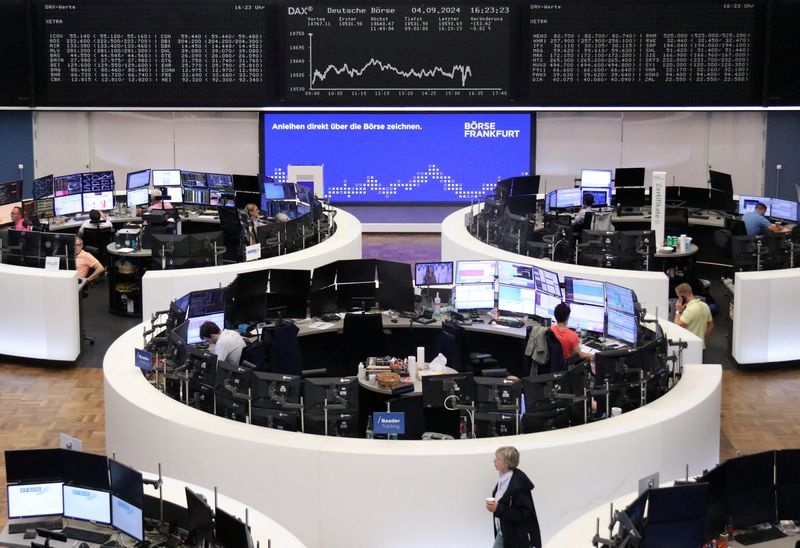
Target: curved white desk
766,316
159,287
652,288
324,490
41,316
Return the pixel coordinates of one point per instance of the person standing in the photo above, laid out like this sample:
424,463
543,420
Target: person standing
18,219
515,521
693,314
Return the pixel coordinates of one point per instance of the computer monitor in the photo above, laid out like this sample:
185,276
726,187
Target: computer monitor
518,274
230,530
219,181
87,504
355,295
279,419
203,365
35,499
633,196
67,185
694,197
492,393
474,297
750,489
246,183
172,194
86,470
102,201
394,273
286,305
193,334
323,276
787,483
545,305
140,196
524,185
784,210
44,208
547,281
476,272
453,387
676,515
201,519
579,290
601,195
355,271
274,191
516,300
586,317
289,281
621,326
543,411
341,424
126,483
439,273
596,178
721,201
720,181
127,518
341,393
68,204
97,181
196,196
34,465
304,193
222,198
171,245
628,176
566,197
748,203
620,298
55,244
138,179
396,297
323,301
42,187
275,390
166,177
193,179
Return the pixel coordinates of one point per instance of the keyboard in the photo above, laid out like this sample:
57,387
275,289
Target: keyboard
762,535
697,216
21,527
510,322
423,320
94,537
629,213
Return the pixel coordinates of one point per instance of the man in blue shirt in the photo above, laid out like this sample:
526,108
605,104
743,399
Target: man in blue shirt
756,223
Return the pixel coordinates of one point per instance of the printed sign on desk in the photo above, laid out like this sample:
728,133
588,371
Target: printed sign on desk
52,263
143,359
389,423
252,252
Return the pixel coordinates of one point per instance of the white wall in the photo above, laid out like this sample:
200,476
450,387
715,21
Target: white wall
215,142
683,143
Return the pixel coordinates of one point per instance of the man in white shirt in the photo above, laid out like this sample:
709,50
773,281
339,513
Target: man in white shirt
228,344
96,221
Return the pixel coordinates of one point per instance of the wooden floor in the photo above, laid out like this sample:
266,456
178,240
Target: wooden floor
37,403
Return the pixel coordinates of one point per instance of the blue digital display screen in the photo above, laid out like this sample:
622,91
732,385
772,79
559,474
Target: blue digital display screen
414,157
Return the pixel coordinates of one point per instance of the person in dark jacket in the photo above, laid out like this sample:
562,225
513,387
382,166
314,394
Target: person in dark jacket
515,521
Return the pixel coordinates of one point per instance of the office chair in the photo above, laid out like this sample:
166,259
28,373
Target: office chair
232,234
454,346
748,252
284,351
601,220
98,238
676,220
555,355
362,336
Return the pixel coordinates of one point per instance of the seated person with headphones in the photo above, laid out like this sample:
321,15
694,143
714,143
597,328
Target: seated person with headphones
569,340
228,344
84,262
96,221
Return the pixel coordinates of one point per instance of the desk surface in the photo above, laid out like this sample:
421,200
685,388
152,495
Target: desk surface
139,253
373,386
678,254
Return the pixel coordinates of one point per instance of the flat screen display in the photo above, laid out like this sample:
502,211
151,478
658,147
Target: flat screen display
138,197
97,181
546,305
583,291
440,273
518,274
749,203
586,317
784,209
220,181
67,205
475,272
193,336
274,191
629,176
87,504
42,187
566,198
409,157
166,177
546,281
198,196
474,296
138,179
65,185
175,194
127,518
596,178
622,327
620,298
600,195
101,201
193,179
35,499
517,300
10,192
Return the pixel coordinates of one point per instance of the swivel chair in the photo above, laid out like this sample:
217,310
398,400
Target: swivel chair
362,337
453,345
99,238
232,234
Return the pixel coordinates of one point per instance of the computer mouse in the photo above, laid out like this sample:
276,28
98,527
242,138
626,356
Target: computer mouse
394,320
83,545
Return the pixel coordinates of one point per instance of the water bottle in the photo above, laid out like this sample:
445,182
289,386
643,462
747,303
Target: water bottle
462,428
370,432
437,307
579,331
361,371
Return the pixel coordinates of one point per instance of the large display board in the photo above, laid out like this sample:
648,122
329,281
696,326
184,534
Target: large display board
408,53
595,52
410,157
152,53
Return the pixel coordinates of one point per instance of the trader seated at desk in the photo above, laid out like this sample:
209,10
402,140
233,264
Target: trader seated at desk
569,340
588,206
84,262
756,223
96,221
228,344
158,201
254,215
18,219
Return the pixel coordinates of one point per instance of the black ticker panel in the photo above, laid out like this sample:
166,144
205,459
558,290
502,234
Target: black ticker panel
15,88
645,52
398,54
152,52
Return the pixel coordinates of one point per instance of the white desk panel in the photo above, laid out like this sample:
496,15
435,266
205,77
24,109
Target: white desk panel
41,318
651,288
324,490
765,316
159,287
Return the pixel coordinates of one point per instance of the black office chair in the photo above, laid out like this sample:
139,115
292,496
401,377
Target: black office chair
98,238
285,354
454,346
555,355
362,336
232,234
748,253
